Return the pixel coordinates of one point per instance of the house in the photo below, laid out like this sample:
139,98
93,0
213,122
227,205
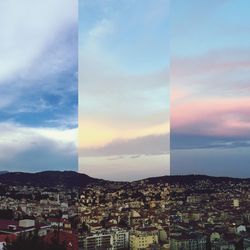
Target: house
6,238
70,240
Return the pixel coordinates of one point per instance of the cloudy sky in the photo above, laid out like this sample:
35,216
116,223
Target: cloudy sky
123,88
210,87
38,85
124,70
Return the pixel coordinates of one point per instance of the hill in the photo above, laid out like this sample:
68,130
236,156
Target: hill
74,179
4,172
48,178
189,179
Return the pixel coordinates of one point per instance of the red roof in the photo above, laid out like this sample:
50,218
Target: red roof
10,237
5,223
64,237
55,220
58,220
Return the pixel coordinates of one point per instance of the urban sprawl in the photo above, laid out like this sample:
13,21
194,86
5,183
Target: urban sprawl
159,213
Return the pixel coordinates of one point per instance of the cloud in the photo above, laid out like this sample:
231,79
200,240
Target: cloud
18,140
26,33
189,141
38,84
213,116
147,145
107,88
99,133
209,75
101,29
45,156
38,55
117,95
116,103
211,161
210,95
210,64
125,168
123,88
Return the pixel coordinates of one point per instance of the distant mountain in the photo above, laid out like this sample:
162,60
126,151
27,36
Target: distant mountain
48,178
74,179
4,172
188,179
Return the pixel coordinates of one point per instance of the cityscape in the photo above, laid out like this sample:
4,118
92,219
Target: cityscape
170,212
124,125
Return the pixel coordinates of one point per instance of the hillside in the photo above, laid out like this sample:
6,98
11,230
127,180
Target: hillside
74,179
48,178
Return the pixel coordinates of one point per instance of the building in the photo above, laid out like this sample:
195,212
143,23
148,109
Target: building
222,245
246,244
113,239
70,240
143,239
236,203
188,242
6,237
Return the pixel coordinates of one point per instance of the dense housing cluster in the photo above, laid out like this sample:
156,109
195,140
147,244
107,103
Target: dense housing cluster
171,212
210,213
124,216
49,212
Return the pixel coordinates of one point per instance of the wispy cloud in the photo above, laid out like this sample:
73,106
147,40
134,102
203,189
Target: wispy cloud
18,141
213,116
209,75
123,86
147,145
38,83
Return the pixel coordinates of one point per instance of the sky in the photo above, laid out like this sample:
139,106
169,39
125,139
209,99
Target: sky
38,85
147,74
210,87
124,88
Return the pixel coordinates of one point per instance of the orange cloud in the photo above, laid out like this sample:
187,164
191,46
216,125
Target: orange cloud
97,134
